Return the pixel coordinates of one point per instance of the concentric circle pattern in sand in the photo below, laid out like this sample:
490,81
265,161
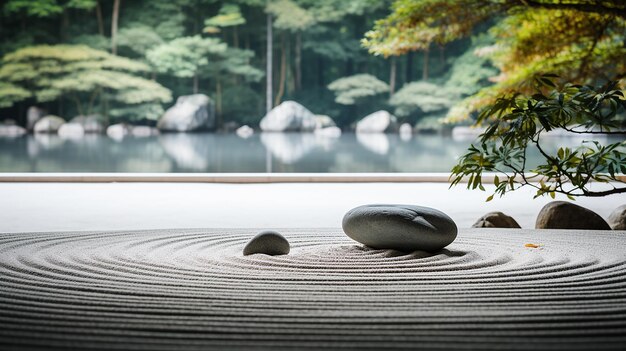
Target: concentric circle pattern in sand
193,289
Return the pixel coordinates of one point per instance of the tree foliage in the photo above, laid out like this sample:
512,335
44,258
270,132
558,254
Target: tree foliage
184,57
580,40
519,125
422,97
228,16
50,73
351,90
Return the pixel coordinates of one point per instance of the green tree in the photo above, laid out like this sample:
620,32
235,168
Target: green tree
228,16
422,98
290,18
579,40
79,73
519,123
357,88
185,57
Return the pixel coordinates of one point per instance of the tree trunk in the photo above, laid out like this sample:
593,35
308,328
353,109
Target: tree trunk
425,68
283,70
195,83
320,72
99,19
114,19
442,54
235,37
392,76
298,61
408,76
269,65
218,102
65,23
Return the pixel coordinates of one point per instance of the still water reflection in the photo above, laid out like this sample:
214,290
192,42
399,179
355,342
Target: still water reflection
269,152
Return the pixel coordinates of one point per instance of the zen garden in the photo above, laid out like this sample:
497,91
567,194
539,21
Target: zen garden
313,174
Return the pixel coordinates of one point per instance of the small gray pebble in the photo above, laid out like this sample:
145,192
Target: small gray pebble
267,242
400,227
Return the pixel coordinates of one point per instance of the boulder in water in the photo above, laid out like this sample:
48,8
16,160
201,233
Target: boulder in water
191,112
48,124
118,131
71,131
33,115
323,121
11,130
244,132
377,122
289,116
90,123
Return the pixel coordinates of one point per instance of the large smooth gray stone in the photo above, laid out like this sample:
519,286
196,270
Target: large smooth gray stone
566,215
267,242
400,227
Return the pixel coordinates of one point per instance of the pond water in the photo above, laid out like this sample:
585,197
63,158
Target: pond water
227,153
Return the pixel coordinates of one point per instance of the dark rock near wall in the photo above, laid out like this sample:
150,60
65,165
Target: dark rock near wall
496,220
566,215
617,218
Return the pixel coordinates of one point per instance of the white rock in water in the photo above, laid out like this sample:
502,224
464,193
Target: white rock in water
90,124
244,131
400,227
143,131
406,128
329,132
191,112
33,114
48,124
118,131
377,122
289,116
11,130
323,121
71,131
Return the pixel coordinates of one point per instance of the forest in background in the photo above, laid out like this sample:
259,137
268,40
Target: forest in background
136,57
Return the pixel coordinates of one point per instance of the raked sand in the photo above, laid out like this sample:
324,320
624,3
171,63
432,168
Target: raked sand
193,289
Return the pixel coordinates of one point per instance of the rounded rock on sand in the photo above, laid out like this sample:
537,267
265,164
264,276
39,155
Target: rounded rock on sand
267,242
496,219
566,215
617,218
404,228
